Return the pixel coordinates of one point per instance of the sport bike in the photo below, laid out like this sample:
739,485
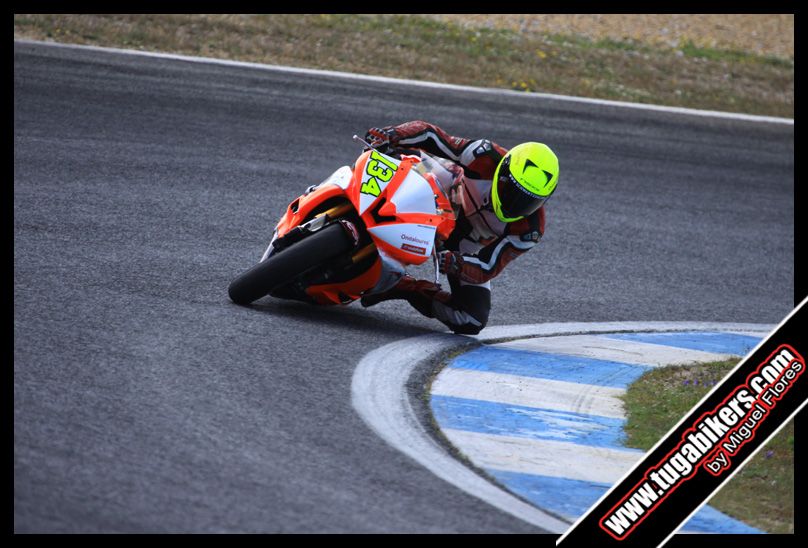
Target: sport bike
354,232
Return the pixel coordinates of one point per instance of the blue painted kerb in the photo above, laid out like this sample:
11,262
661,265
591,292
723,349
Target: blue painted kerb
564,496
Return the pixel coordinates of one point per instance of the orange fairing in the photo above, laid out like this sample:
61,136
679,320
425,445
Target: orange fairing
300,210
408,234
399,202
341,293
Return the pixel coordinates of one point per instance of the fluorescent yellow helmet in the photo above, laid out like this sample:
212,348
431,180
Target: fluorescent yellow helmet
525,178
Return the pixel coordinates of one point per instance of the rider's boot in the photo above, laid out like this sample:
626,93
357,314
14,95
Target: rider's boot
419,293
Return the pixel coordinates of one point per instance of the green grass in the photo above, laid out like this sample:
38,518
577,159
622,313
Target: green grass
762,493
690,50
417,47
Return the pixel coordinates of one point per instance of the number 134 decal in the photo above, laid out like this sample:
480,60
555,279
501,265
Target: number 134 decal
379,169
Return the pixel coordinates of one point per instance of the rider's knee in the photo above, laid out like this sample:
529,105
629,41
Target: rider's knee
475,324
467,329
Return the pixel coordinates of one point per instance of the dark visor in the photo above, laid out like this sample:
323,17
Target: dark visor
515,199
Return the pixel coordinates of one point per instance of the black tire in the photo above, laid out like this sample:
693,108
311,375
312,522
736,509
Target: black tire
308,253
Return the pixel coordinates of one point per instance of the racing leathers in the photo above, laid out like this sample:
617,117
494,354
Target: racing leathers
480,246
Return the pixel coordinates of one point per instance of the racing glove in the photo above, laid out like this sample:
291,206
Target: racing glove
450,262
381,138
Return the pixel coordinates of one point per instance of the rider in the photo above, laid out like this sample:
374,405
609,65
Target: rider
498,197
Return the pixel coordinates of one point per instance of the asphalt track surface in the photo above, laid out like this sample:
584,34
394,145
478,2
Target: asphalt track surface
144,401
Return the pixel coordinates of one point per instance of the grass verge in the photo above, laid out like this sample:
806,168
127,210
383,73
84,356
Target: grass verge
423,48
762,493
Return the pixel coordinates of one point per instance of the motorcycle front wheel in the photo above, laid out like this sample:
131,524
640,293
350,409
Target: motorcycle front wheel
280,268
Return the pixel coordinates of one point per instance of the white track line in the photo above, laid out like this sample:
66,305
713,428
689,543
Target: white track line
618,350
544,457
573,397
747,333
379,395
503,332
433,85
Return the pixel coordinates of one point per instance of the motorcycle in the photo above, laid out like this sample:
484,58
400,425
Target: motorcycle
355,232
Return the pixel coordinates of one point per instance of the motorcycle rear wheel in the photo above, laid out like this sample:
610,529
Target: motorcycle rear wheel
307,254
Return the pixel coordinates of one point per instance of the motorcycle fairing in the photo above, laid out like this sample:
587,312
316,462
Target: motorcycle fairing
400,204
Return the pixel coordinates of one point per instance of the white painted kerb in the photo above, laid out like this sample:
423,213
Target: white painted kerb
379,395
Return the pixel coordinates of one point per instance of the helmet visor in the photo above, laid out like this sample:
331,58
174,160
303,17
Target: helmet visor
516,200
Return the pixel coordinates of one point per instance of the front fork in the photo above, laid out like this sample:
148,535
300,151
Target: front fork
436,264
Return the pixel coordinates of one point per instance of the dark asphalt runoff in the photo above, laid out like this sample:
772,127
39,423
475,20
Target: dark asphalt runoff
145,401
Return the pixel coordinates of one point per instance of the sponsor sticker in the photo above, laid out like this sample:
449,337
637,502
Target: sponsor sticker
414,249
415,240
